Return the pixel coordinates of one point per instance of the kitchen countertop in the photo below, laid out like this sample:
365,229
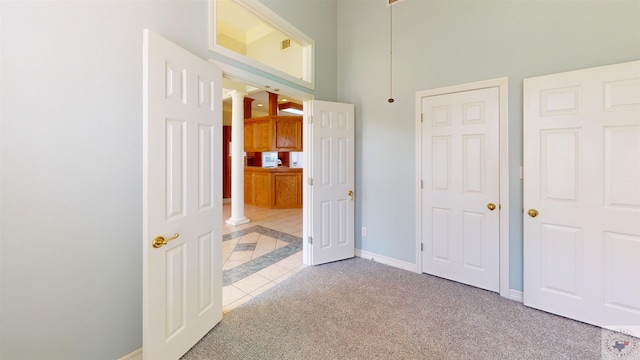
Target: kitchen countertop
273,169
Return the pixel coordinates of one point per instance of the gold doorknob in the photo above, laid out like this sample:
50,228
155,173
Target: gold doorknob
160,241
350,193
533,212
491,206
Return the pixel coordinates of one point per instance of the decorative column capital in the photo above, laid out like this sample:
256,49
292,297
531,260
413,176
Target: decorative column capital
237,95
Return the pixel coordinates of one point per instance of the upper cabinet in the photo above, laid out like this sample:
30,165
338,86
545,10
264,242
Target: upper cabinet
257,134
273,133
288,133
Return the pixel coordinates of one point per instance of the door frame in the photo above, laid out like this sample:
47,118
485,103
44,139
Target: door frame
503,88
237,74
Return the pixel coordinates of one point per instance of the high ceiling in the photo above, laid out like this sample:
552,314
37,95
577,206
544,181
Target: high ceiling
240,17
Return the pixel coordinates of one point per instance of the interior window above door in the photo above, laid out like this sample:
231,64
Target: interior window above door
249,32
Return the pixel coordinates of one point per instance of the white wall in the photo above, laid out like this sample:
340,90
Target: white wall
442,43
70,155
71,172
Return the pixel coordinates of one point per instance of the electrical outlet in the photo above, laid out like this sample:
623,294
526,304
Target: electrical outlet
364,231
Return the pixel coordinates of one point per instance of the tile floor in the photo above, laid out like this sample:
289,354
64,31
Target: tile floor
260,254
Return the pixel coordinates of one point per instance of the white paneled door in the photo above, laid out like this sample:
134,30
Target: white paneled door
582,194
182,200
330,181
460,202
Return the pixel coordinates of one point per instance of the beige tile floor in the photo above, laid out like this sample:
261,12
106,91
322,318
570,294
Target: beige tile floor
284,220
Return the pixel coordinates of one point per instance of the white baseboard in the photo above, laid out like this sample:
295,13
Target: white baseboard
136,355
515,295
387,260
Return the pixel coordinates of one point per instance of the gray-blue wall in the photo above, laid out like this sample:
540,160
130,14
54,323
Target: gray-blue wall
71,129
317,19
442,43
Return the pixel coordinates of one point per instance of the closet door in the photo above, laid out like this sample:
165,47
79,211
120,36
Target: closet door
582,194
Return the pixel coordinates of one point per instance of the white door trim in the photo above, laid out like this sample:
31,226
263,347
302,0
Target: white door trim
503,85
235,73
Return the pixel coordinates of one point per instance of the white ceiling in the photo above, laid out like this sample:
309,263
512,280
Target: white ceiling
260,96
245,21
238,16
239,23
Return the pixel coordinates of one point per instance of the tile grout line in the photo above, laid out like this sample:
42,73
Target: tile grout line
279,225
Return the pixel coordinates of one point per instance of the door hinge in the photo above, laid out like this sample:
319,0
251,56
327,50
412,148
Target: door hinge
421,117
310,181
310,239
421,184
421,246
310,119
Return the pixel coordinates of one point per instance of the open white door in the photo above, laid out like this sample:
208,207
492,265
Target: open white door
182,194
582,194
330,181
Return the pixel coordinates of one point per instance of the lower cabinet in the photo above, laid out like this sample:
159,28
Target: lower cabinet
287,190
274,188
262,189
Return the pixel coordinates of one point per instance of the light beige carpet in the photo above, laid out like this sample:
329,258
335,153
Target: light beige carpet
358,309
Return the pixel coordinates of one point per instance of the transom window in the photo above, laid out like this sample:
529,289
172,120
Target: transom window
249,32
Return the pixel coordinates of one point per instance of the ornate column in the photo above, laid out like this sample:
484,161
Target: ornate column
237,159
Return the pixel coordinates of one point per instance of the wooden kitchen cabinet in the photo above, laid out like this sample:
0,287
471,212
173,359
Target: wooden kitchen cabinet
226,162
262,190
287,191
288,133
249,180
273,133
274,188
257,136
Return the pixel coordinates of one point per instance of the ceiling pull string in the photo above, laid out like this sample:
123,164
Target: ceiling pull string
390,100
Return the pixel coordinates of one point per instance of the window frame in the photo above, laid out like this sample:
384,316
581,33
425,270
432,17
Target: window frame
278,23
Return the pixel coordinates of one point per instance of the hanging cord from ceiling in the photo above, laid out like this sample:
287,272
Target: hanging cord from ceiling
390,100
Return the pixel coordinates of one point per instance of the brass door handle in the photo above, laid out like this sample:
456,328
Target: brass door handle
491,206
160,241
533,212
350,193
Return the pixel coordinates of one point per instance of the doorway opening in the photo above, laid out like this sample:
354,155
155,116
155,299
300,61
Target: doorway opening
268,249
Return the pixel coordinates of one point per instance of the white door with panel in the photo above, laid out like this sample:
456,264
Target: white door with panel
582,194
182,200
461,191
331,188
